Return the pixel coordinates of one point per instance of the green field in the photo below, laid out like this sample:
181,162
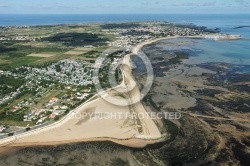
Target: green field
14,54
52,40
24,61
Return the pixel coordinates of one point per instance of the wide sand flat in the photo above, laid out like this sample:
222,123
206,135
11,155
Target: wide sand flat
78,127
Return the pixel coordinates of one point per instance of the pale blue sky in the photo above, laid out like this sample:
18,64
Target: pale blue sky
124,6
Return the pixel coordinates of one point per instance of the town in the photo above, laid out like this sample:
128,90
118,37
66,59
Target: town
148,31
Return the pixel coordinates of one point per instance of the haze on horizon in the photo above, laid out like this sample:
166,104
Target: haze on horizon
125,7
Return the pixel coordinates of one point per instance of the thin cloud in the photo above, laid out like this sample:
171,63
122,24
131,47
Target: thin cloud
186,4
242,2
193,4
157,2
145,3
209,4
6,6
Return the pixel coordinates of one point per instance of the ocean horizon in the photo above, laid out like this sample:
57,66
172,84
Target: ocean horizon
209,20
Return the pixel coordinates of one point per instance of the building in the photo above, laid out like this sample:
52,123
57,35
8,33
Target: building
52,116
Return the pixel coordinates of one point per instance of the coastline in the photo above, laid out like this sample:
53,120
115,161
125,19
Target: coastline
130,142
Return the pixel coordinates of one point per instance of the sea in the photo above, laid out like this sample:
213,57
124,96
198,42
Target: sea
236,52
